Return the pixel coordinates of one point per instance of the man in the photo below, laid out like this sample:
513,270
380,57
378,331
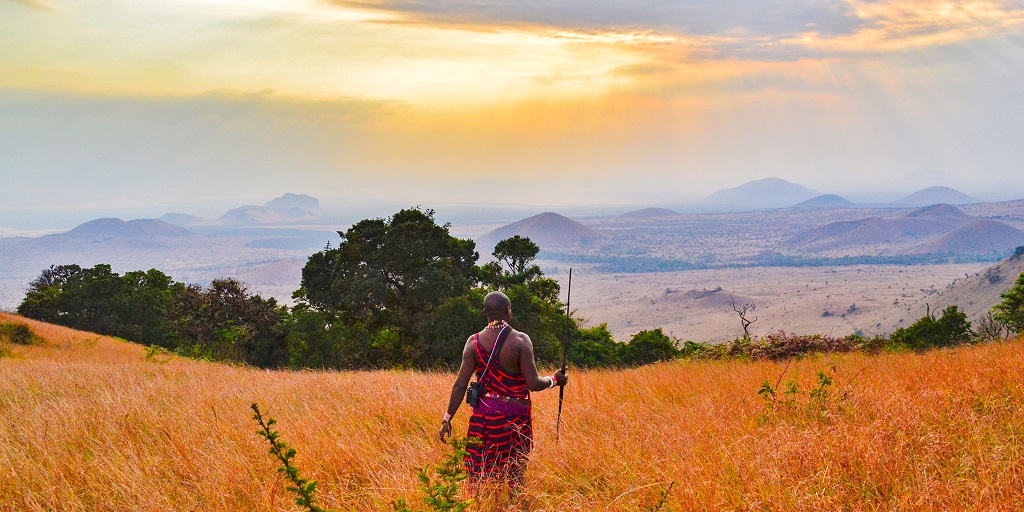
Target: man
501,421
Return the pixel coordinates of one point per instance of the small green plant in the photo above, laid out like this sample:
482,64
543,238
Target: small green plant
442,490
817,398
157,354
788,407
305,490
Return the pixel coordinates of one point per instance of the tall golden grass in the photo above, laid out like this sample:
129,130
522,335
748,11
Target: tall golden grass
87,423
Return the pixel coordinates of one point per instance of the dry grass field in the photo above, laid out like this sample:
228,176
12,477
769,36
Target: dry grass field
88,423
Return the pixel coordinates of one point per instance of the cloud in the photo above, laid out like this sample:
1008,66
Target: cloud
693,17
902,24
772,30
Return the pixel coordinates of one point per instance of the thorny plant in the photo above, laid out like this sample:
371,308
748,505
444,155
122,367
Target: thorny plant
662,498
305,490
441,492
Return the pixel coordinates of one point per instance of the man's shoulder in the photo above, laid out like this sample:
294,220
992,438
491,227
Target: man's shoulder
520,337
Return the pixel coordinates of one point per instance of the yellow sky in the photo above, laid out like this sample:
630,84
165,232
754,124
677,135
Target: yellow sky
314,48
627,93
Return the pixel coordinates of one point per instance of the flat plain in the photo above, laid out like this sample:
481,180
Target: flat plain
697,304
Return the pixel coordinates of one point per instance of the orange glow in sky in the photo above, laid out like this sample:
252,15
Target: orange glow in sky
695,95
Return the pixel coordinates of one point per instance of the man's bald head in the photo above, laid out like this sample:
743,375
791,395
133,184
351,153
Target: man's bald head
497,306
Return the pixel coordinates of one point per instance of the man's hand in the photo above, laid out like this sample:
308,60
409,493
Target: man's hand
561,378
446,431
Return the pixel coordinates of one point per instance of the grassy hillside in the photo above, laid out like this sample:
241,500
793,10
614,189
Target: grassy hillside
88,423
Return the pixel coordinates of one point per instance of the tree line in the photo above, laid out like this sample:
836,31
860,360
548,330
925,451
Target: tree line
402,292
395,292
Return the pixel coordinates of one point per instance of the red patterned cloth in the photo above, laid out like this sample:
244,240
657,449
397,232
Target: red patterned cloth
504,430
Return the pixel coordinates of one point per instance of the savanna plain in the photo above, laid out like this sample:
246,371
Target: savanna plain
95,423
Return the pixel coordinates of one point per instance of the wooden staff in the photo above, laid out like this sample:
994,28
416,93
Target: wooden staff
565,354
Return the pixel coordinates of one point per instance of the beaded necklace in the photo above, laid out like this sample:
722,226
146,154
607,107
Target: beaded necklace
497,324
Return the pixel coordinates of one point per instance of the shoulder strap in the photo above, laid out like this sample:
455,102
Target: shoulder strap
496,349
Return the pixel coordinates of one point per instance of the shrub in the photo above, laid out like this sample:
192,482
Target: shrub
648,347
19,334
692,349
990,329
949,330
595,348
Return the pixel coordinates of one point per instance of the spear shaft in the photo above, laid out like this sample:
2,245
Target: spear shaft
565,354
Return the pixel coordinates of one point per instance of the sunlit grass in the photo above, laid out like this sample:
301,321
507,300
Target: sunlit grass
89,424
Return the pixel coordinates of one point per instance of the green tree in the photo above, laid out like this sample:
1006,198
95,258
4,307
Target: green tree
447,326
225,322
513,263
389,276
54,296
1010,312
98,299
141,306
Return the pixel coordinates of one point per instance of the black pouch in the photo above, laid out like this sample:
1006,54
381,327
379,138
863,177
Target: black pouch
473,394
476,389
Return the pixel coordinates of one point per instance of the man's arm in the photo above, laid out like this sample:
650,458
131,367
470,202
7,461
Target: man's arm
528,366
459,388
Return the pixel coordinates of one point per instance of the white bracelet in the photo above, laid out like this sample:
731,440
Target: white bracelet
552,379
447,418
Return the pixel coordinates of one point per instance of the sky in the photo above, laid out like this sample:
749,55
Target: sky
176,104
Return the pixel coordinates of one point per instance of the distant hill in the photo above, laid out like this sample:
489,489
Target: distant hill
300,201
181,219
99,241
766,194
133,229
255,215
547,229
826,201
922,223
980,237
940,211
975,294
289,208
933,195
648,213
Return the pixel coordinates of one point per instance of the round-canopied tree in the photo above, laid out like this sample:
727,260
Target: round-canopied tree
389,275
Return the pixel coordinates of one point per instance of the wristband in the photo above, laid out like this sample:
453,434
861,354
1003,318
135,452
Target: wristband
553,381
447,418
